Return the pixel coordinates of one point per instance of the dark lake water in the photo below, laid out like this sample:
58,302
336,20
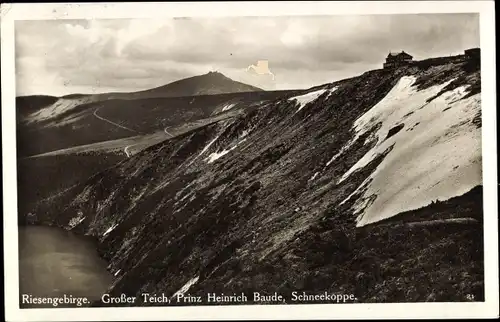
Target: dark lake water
54,262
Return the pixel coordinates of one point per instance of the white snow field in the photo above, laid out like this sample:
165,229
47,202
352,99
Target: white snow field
61,106
307,98
435,156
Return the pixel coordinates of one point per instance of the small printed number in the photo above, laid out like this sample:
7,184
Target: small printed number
470,297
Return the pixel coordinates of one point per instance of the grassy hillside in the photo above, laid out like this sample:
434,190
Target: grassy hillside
30,104
257,202
46,176
75,144
79,125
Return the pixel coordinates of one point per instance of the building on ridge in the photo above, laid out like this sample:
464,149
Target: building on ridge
472,53
398,59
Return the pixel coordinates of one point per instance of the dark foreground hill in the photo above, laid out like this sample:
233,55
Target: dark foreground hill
353,187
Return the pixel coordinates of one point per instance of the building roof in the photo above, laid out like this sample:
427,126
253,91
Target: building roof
471,50
403,53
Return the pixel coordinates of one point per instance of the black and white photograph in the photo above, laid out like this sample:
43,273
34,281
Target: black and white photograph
250,160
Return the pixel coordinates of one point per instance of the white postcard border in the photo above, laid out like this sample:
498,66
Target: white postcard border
38,11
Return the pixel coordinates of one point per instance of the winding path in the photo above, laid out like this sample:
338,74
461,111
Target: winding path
118,125
168,133
126,150
111,122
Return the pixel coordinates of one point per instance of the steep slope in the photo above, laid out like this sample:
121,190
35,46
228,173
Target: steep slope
71,146
64,140
287,197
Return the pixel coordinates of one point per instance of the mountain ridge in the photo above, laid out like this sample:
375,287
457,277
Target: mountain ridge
203,85
270,201
210,83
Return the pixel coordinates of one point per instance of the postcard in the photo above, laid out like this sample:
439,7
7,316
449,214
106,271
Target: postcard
249,160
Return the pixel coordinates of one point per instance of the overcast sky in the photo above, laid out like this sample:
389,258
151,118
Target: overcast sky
60,57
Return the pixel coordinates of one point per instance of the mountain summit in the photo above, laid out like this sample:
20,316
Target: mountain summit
210,83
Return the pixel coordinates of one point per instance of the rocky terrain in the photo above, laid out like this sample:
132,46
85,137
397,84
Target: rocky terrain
370,185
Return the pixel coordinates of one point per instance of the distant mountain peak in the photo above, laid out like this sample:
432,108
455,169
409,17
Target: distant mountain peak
217,74
211,83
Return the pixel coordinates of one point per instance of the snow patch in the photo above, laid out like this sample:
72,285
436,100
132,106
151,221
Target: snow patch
331,91
245,133
344,148
186,287
228,106
59,107
118,272
110,229
314,176
208,145
438,159
217,155
76,220
305,99
204,150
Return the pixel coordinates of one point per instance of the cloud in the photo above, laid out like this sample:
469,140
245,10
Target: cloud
64,56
